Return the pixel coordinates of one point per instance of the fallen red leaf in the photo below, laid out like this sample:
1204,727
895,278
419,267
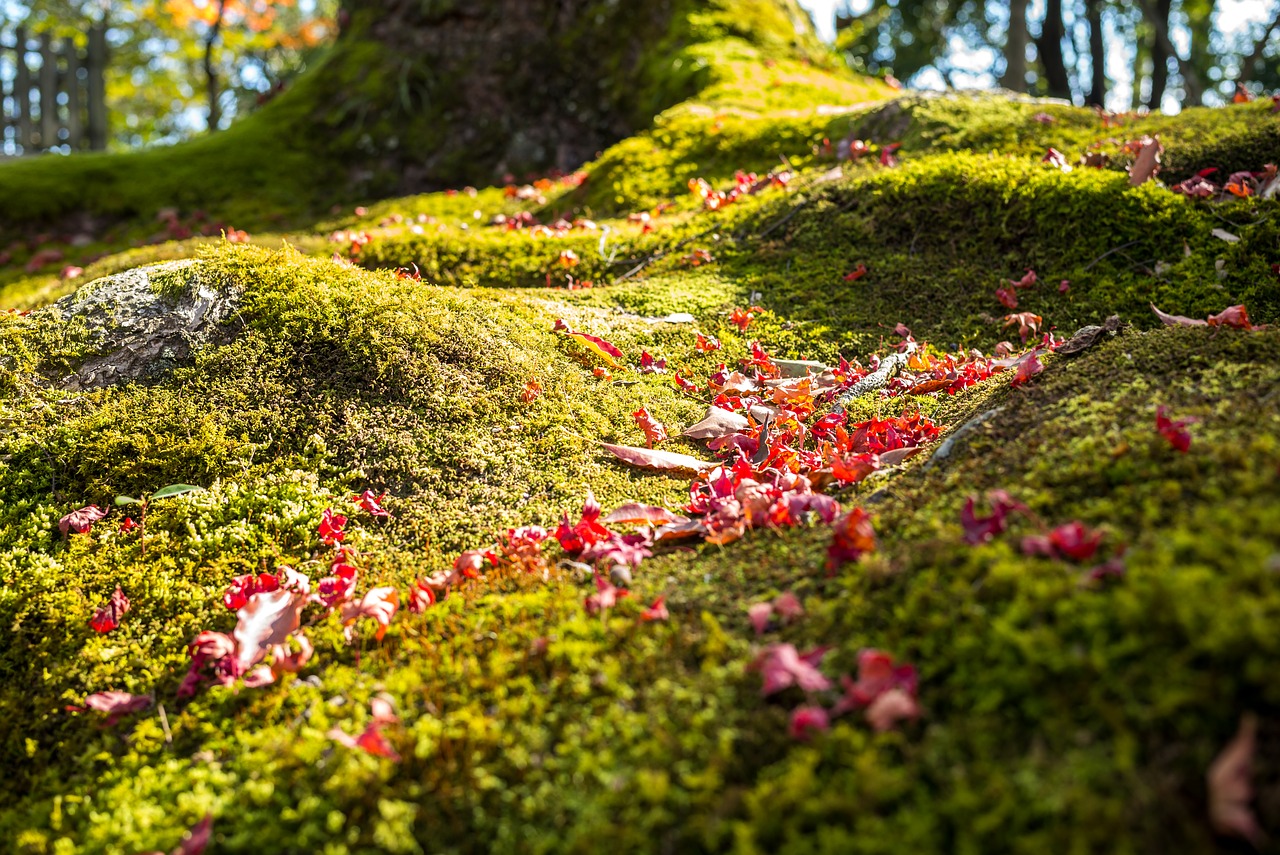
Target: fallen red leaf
378,604
657,611
265,621
852,537
108,617
331,527
808,720
782,666
1175,432
654,430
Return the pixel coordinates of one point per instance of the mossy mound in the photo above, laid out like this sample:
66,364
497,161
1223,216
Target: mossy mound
1058,713
1061,710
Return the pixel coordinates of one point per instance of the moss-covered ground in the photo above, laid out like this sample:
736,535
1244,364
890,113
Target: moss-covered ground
1059,713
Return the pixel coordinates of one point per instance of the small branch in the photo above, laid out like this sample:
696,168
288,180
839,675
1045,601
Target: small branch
1110,252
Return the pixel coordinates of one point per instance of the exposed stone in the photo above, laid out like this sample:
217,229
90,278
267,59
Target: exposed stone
140,330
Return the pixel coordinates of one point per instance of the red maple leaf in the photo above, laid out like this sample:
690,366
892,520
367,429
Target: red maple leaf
331,527
1176,432
852,537
654,431
108,617
372,503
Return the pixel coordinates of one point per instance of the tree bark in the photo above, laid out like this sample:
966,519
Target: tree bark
1097,54
1049,47
1015,48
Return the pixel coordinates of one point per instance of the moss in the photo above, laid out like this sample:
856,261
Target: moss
1060,714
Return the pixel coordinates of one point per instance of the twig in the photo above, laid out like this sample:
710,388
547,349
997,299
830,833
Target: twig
164,724
1111,251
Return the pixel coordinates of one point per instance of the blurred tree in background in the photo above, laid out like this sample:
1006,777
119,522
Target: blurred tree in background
180,67
1078,50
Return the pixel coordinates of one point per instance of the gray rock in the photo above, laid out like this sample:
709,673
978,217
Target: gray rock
144,322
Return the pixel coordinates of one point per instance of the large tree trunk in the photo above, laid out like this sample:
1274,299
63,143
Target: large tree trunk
1049,46
1015,48
1097,54
448,92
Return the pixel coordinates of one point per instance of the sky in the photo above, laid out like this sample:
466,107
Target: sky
1234,17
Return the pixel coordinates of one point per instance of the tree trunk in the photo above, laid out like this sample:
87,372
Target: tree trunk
1049,47
1015,48
211,70
1097,54
1191,84
451,92
1159,58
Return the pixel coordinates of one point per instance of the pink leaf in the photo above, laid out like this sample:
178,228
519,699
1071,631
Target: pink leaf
265,621
115,704
782,666
371,503
891,707
657,611
331,527
808,720
371,739
197,839
1231,787
285,661
788,606
637,514
1177,320
259,677
664,461
380,604
1028,367
759,615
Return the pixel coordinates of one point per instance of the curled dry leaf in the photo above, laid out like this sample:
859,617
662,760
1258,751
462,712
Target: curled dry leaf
1177,320
664,461
717,423
81,521
1146,163
1231,787
897,455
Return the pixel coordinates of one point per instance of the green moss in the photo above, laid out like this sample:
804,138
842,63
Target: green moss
1060,714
